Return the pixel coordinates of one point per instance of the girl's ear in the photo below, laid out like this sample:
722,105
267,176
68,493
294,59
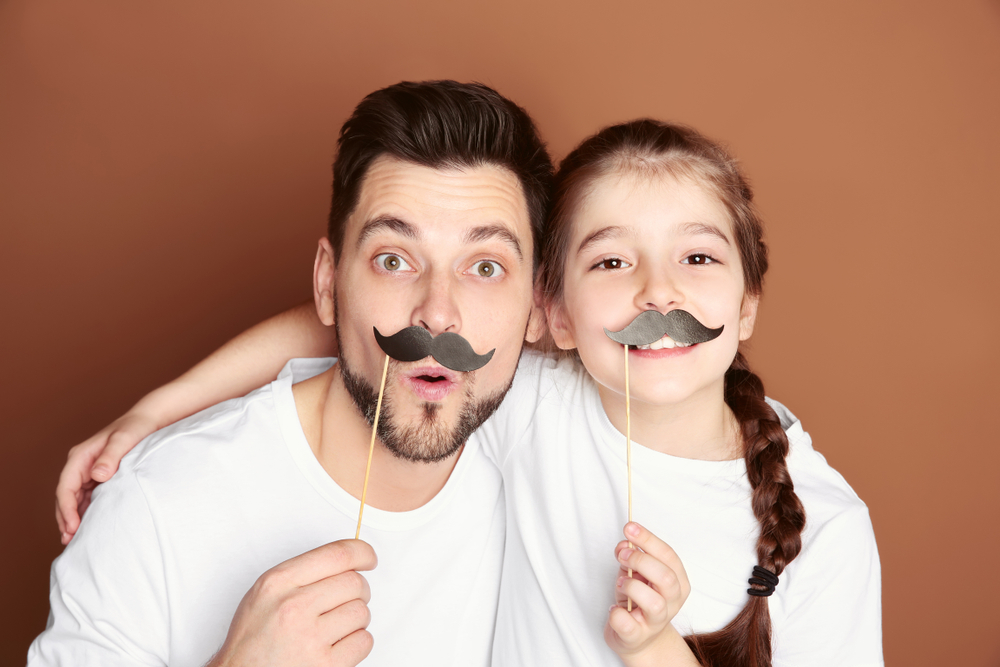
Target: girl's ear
748,315
559,326
323,273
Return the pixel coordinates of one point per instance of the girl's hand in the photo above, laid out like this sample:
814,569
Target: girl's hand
658,588
94,461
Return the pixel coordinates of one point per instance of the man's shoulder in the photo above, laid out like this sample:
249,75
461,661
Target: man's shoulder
208,439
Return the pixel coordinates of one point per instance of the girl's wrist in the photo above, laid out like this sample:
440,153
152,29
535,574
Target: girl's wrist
668,648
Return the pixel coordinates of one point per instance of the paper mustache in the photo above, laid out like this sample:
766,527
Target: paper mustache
448,349
649,326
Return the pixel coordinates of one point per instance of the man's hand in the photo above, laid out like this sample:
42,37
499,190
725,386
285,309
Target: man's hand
309,610
93,461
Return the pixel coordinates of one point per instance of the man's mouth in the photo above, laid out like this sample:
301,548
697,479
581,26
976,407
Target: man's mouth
431,383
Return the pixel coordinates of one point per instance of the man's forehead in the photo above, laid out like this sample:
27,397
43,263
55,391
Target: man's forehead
424,195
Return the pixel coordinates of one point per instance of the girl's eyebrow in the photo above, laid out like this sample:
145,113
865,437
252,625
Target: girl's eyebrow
602,234
695,228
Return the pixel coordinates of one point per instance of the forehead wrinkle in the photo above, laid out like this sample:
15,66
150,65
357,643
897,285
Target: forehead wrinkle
602,234
390,223
494,231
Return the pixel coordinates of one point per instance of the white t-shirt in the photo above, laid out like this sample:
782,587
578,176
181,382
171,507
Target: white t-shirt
564,470
199,510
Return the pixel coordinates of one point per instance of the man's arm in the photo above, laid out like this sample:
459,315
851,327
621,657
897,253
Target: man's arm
246,362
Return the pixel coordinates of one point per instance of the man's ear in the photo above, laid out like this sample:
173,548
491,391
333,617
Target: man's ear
748,315
559,326
536,319
323,275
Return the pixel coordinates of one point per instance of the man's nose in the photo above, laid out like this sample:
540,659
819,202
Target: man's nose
437,309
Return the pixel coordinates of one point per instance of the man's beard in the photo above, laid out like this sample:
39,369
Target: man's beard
431,440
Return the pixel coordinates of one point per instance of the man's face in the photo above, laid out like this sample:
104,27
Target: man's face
446,250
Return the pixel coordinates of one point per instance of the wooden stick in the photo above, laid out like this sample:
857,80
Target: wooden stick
371,446
628,449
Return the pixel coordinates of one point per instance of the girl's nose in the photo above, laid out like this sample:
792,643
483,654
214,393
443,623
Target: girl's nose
658,291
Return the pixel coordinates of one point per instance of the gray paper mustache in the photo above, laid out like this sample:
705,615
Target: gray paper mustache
649,326
448,349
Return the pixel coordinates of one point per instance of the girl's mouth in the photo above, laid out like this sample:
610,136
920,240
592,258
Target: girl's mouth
665,343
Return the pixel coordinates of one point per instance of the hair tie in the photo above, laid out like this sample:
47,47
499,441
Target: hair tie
765,578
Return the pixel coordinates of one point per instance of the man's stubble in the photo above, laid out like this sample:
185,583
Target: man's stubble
432,439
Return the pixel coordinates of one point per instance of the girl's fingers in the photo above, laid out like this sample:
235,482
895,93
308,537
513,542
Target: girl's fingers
120,443
630,632
72,482
654,571
661,552
647,604
652,545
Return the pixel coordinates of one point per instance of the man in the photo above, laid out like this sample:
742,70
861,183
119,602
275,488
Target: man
217,531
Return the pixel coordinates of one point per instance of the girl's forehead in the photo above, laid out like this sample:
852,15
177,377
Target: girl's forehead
642,198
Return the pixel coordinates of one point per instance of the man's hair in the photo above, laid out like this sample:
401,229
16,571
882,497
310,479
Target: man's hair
440,124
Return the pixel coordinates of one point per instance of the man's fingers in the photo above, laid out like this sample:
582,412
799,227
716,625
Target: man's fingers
327,594
344,620
352,649
320,563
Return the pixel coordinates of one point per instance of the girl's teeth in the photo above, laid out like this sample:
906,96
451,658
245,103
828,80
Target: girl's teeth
665,342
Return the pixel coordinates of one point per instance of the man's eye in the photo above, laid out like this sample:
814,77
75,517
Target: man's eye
698,258
487,269
612,264
391,262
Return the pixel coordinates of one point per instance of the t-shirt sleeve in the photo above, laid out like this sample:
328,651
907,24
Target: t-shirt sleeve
834,612
500,433
107,591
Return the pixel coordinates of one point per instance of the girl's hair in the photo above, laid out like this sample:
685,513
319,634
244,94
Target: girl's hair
651,148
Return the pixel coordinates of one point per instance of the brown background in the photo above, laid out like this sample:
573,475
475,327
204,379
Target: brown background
164,174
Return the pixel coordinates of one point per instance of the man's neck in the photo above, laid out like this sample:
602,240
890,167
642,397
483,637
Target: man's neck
339,437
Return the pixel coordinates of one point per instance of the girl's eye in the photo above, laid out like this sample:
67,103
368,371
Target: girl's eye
391,262
698,258
487,269
612,264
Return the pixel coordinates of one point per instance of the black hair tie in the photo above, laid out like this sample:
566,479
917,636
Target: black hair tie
762,577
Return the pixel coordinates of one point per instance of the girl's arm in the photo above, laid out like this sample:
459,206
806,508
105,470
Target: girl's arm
244,363
658,588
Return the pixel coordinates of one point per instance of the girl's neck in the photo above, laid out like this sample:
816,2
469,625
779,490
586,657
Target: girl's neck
701,427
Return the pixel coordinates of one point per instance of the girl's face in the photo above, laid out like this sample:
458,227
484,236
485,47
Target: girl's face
652,243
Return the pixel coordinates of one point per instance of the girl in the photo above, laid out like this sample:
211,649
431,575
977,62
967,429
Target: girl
650,216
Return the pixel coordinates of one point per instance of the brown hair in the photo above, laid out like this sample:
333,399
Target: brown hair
439,124
655,148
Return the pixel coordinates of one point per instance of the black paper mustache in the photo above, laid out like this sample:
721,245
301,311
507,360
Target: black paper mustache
649,326
448,349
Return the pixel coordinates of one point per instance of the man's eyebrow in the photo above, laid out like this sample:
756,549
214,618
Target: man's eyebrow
602,234
390,223
694,228
495,231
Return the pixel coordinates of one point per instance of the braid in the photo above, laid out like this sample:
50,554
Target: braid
746,641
